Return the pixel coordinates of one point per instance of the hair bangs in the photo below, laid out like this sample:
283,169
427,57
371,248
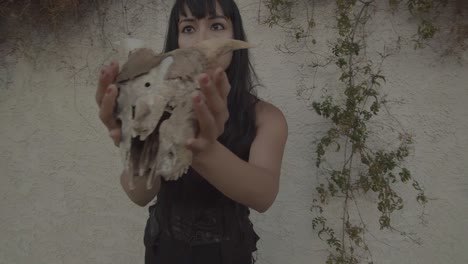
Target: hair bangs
202,8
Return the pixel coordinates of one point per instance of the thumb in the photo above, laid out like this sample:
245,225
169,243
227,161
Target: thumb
195,145
107,108
116,135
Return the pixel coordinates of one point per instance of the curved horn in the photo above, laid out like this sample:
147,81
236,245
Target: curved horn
215,48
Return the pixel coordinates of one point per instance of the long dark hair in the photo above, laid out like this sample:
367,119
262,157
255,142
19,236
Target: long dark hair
242,97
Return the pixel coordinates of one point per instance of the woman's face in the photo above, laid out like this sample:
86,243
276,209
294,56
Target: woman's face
193,30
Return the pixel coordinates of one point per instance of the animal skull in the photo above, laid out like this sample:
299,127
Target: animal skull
154,106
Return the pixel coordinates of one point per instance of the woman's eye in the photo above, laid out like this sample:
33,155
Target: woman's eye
188,29
217,26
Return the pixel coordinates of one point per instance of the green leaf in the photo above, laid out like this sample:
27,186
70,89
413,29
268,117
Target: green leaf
405,175
311,23
421,198
384,222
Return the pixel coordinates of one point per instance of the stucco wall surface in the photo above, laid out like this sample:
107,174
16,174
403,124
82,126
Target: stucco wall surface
60,196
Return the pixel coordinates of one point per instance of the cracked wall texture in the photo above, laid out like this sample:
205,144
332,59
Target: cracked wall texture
61,200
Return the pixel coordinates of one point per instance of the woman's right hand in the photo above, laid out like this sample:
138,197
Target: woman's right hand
106,95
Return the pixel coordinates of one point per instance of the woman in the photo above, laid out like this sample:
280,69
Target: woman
204,216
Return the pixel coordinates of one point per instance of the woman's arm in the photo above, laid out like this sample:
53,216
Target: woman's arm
254,183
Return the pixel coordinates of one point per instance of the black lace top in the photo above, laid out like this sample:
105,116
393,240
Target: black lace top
193,222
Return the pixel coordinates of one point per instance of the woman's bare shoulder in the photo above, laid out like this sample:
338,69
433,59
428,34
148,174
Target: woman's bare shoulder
267,113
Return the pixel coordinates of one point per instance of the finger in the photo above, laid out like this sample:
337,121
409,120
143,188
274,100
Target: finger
207,85
222,83
218,110
220,102
104,81
205,119
106,77
114,66
214,102
107,108
213,99
116,135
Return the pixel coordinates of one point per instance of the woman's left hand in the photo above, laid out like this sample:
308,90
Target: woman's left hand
211,111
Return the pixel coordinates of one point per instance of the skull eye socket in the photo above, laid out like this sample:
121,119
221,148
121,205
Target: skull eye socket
147,84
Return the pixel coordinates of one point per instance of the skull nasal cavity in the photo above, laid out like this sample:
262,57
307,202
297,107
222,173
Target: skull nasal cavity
133,112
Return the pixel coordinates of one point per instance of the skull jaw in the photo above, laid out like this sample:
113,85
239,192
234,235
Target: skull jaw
175,163
171,159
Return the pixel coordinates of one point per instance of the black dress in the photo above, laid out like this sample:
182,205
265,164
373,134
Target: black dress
192,222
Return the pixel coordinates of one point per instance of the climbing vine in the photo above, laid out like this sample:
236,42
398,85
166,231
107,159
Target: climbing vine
363,167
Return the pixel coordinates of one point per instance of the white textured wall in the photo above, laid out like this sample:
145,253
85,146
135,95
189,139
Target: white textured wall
61,200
